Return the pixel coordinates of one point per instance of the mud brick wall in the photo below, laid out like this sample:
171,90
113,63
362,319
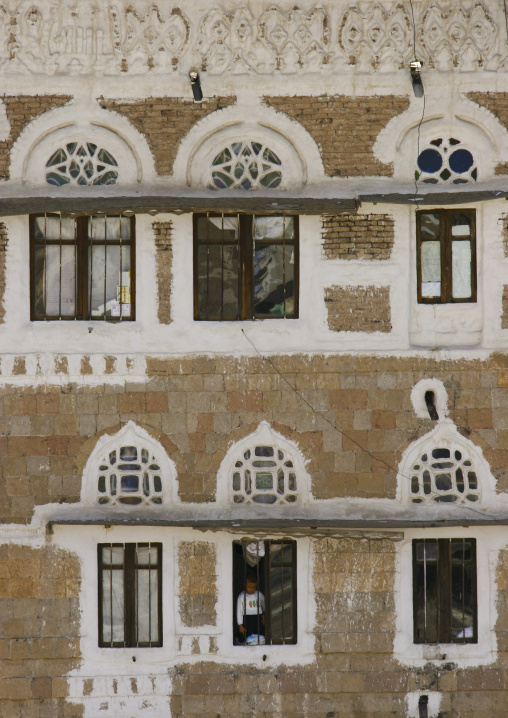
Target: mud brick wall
3,251
39,630
497,103
21,110
344,128
165,121
197,407
358,309
358,236
504,224
504,314
197,586
164,259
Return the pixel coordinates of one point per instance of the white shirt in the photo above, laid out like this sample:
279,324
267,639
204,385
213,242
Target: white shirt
249,604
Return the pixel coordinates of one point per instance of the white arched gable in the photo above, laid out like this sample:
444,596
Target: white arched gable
263,470
81,123
445,468
300,158
129,471
475,127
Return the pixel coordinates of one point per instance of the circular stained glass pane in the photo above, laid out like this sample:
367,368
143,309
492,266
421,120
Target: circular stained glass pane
461,161
430,161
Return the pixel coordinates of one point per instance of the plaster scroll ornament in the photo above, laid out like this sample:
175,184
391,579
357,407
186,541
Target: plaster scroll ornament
151,40
240,43
377,37
457,37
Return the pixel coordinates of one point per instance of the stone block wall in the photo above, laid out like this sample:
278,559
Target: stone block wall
344,128
165,121
197,587
358,309
39,631
164,259
358,236
22,109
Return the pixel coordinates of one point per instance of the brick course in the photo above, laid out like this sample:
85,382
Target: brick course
344,128
358,236
164,259
22,109
165,121
197,585
358,309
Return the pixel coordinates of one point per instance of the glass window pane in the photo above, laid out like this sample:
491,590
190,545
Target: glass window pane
431,269
281,592
426,606
461,225
146,596
272,265
113,605
461,269
107,285
55,285
274,228
430,226
101,228
218,268
54,227
218,228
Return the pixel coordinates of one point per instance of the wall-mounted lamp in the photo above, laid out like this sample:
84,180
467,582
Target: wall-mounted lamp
196,85
415,68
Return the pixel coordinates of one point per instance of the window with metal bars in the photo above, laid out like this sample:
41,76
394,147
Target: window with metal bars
82,267
446,255
130,595
245,267
444,591
264,592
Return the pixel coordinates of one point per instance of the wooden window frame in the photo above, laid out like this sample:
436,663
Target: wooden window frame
246,265
82,243
443,593
445,239
267,565
129,569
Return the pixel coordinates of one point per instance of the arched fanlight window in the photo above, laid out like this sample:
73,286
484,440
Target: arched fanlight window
264,474
245,165
81,163
444,474
446,161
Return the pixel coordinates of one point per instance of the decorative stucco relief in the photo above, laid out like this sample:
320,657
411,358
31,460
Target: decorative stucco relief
87,37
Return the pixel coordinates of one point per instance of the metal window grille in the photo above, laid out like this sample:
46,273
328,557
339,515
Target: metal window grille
82,267
130,595
444,591
271,565
245,267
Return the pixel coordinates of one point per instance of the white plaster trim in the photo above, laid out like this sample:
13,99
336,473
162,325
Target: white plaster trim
440,397
445,434
130,434
264,434
433,706
248,119
489,541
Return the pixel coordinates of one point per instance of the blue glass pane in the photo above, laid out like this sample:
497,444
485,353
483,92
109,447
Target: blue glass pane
461,161
430,161
130,483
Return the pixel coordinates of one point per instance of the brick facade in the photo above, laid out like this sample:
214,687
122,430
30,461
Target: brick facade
358,236
358,309
22,109
344,128
165,121
197,586
39,630
164,258
497,103
504,313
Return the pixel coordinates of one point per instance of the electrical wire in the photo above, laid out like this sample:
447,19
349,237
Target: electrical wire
336,428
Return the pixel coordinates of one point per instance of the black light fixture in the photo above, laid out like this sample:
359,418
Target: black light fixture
415,68
196,85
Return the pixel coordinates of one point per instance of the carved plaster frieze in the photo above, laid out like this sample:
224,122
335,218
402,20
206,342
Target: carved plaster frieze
87,37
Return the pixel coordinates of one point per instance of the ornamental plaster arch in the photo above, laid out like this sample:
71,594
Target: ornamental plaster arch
446,435
410,132
298,151
129,435
81,123
264,435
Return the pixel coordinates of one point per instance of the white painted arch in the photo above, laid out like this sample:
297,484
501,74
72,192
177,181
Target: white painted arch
248,120
80,122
